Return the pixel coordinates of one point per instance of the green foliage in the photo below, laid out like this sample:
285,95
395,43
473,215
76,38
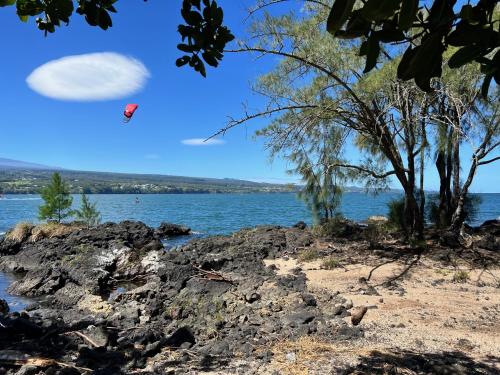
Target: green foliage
330,228
204,33
428,33
375,233
88,212
57,200
54,12
396,213
443,220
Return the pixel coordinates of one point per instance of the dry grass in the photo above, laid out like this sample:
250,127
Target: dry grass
461,276
51,230
330,263
308,255
27,231
309,352
20,232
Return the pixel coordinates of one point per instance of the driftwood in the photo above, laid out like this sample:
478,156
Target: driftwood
214,276
85,337
15,358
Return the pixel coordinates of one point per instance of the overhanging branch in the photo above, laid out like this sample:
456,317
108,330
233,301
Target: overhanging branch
364,170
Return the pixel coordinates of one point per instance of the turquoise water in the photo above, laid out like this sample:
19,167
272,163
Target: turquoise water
208,213
217,213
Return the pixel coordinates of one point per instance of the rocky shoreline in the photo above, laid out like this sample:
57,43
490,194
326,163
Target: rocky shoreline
113,301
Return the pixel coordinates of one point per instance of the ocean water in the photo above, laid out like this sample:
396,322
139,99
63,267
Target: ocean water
217,213
208,214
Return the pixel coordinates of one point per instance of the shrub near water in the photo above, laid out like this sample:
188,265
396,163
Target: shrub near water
396,213
27,231
20,232
333,227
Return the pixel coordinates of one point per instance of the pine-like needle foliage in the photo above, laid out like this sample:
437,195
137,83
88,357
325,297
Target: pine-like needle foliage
88,212
57,200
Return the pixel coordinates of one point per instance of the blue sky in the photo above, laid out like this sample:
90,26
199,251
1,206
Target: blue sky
175,104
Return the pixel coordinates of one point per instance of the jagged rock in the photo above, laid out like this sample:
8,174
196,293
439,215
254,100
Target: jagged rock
309,299
300,225
116,285
301,317
171,230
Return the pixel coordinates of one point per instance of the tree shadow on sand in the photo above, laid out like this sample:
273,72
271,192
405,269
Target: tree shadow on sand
409,363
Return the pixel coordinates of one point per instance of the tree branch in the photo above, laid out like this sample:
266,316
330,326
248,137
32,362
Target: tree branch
489,161
365,170
248,117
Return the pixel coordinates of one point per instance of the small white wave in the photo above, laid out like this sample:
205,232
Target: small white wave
2,233
20,199
193,232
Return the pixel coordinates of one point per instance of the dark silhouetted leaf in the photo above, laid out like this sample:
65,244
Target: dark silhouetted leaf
465,55
339,14
376,10
405,69
181,61
372,53
408,13
486,85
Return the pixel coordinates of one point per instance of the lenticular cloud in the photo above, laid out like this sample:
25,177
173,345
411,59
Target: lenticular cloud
89,77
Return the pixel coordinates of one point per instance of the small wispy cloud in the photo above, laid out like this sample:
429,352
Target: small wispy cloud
89,77
152,156
202,142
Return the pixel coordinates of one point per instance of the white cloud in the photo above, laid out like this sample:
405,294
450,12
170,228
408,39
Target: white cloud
152,156
202,142
89,77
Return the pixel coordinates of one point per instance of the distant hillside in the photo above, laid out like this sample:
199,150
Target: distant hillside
28,178
18,177
17,164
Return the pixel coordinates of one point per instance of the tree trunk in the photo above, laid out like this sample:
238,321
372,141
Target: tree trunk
458,217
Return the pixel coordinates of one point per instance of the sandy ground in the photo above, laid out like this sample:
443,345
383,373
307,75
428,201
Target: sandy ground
425,311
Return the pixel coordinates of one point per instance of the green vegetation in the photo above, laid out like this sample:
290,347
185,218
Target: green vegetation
57,200
428,30
319,91
333,227
396,213
441,216
88,212
461,276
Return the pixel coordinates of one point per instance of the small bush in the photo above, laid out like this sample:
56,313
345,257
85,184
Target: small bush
308,255
471,209
396,213
334,227
330,264
20,232
375,233
461,276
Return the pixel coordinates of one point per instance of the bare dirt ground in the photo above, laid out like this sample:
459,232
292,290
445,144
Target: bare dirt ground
432,312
